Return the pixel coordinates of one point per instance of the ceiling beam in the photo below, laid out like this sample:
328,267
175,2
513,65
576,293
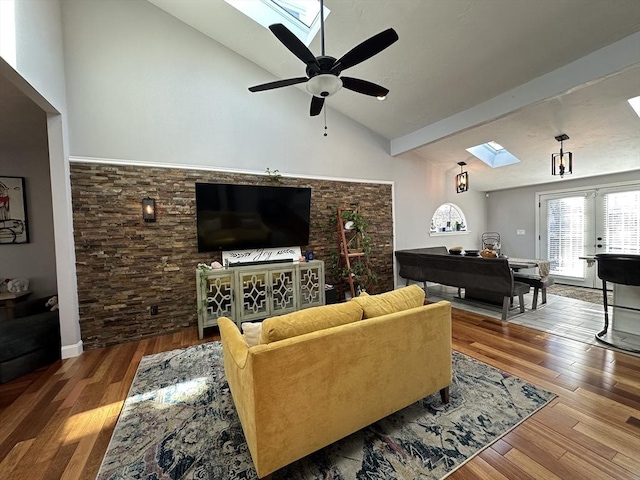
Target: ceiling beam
600,64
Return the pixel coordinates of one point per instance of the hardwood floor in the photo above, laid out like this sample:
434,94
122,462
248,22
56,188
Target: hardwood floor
56,423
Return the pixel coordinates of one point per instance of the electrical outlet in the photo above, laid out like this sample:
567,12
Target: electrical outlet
154,309
519,232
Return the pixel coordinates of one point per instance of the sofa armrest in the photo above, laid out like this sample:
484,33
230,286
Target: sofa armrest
239,373
232,340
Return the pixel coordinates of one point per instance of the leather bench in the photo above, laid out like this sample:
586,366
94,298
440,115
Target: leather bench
538,283
485,279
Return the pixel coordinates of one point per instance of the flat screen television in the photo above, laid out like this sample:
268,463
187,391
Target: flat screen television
237,217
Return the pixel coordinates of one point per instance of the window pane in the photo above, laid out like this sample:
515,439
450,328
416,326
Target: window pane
447,218
622,222
565,243
305,11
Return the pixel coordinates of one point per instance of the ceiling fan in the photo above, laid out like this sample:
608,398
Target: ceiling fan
323,73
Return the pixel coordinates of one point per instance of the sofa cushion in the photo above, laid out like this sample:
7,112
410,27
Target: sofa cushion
251,332
390,302
309,320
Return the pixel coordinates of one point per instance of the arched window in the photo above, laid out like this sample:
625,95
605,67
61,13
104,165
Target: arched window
448,218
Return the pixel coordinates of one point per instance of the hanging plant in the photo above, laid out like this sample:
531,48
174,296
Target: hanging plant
360,224
360,240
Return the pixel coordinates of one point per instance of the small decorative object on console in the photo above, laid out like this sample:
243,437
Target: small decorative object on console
18,285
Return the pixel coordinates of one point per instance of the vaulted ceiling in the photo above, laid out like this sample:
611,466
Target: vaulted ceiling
465,72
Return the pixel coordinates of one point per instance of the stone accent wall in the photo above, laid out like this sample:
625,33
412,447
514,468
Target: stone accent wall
125,265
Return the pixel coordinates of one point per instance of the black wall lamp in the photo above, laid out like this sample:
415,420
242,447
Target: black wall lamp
149,209
562,162
462,179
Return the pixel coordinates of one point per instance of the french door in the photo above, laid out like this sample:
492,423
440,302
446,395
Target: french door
582,223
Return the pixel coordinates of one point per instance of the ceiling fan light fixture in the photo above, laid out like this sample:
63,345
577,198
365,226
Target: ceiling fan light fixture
382,98
324,85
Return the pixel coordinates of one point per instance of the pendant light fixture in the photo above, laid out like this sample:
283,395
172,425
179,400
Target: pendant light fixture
462,179
561,163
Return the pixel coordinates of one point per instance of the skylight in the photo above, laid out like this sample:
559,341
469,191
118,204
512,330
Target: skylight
493,154
303,11
495,145
300,16
635,104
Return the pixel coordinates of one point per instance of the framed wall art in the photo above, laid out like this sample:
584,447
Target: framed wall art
13,211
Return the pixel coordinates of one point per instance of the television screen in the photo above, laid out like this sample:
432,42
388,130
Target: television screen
236,217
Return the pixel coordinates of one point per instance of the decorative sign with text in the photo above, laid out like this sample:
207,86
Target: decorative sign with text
261,255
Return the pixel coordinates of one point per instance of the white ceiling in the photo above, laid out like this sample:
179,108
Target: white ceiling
463,72
468,71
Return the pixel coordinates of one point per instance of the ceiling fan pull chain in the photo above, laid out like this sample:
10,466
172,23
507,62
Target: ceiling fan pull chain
325,122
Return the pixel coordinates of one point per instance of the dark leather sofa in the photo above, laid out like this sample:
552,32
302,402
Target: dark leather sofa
30,340
484,279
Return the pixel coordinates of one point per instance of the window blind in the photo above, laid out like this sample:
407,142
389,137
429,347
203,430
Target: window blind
565,235
622,222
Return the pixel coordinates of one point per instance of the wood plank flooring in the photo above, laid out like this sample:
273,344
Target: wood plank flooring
56,423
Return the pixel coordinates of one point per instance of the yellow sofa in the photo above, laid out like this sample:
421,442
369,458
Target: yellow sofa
347,366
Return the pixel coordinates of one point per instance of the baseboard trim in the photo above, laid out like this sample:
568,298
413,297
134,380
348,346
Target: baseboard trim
69,351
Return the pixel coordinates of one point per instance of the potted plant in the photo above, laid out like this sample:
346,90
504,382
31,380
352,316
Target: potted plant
360,241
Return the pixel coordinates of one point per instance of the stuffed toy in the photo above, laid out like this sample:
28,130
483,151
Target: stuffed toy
53,303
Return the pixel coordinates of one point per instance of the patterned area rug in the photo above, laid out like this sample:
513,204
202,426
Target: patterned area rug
179,422
592,295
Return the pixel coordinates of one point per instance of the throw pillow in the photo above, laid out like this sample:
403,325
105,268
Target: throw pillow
251,332
309,320
390,302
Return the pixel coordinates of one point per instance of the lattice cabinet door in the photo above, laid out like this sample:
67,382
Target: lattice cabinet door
312,284
282,290
253,294
215,297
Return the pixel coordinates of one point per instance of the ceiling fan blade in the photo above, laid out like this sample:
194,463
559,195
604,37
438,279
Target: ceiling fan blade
364,87
293,43
366,50
278,84
316,105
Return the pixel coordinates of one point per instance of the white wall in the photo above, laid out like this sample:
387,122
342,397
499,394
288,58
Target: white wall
24,152
516,209
146,87
36,66
421,188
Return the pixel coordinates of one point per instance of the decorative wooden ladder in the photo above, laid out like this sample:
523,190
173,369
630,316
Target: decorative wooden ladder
349,255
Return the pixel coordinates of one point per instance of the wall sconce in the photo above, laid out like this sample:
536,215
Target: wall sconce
149,209
462,179
562,162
